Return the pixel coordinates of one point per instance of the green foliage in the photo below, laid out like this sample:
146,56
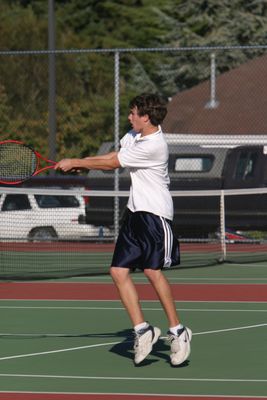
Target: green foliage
85,82
217,23
4,110
21,28
82,127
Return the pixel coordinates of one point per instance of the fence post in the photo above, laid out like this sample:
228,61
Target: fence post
222,227
116,138
213,102
52,82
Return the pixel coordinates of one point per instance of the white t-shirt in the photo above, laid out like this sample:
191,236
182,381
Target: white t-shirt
147,160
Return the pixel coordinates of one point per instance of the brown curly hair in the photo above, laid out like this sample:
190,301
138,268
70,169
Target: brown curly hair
150,104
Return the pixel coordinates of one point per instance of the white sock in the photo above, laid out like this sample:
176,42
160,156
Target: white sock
143,325
174,329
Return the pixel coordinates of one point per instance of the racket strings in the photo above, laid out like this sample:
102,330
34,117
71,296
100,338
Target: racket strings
17,162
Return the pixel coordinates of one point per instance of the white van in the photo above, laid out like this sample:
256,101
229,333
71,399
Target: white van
38,217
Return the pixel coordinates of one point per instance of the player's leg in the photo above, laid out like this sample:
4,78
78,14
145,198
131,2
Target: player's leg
128,293
179,335
126,256
145,334
163,290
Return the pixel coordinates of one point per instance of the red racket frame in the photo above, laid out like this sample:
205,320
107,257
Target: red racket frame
39,158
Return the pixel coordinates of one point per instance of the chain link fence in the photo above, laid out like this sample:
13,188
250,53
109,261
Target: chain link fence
216,128
216,124
222,87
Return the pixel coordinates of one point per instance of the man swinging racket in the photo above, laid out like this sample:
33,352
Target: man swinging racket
146,239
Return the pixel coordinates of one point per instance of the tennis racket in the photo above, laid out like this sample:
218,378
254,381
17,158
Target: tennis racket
19,162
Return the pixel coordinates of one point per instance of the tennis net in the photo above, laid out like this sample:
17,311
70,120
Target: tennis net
48,233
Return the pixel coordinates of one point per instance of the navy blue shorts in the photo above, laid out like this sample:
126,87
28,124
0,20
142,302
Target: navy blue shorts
146,241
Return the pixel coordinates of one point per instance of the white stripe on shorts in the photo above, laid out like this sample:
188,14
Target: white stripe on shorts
168,240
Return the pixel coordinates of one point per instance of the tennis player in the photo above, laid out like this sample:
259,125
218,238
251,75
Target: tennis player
146,239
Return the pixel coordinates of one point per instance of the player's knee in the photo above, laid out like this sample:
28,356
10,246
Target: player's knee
113,272
152,274
118,274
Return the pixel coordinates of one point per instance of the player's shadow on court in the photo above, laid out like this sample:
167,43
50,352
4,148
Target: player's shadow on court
124,348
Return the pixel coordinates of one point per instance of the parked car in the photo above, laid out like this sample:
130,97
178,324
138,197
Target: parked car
38,217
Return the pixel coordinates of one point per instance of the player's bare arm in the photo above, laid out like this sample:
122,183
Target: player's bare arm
107,161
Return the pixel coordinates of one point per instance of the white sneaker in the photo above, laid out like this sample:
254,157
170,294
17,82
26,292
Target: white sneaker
180,345
144,340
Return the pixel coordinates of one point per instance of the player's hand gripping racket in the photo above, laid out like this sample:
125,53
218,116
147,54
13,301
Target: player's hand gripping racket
19,162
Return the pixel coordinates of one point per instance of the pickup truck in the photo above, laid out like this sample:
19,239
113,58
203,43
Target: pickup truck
197,168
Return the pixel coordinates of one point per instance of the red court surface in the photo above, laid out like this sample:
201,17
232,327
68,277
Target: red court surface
107,291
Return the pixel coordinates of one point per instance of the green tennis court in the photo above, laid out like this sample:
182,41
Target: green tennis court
83,348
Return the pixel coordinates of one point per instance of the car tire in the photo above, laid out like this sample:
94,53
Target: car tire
42,234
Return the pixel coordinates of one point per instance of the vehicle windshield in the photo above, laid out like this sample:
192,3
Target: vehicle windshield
53,201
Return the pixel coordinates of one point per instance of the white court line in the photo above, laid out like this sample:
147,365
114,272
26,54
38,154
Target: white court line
120,394
218,279
231,329
261,264
57,351
118,301
127,378
197,279
122,308
112,343
64,308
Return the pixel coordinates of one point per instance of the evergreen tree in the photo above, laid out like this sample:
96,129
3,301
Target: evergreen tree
85,82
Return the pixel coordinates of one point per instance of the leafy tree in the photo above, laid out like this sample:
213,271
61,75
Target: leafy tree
4,111
85,82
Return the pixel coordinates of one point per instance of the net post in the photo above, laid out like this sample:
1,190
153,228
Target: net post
222,226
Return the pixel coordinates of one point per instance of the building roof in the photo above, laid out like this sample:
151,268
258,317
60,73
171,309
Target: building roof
242,104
